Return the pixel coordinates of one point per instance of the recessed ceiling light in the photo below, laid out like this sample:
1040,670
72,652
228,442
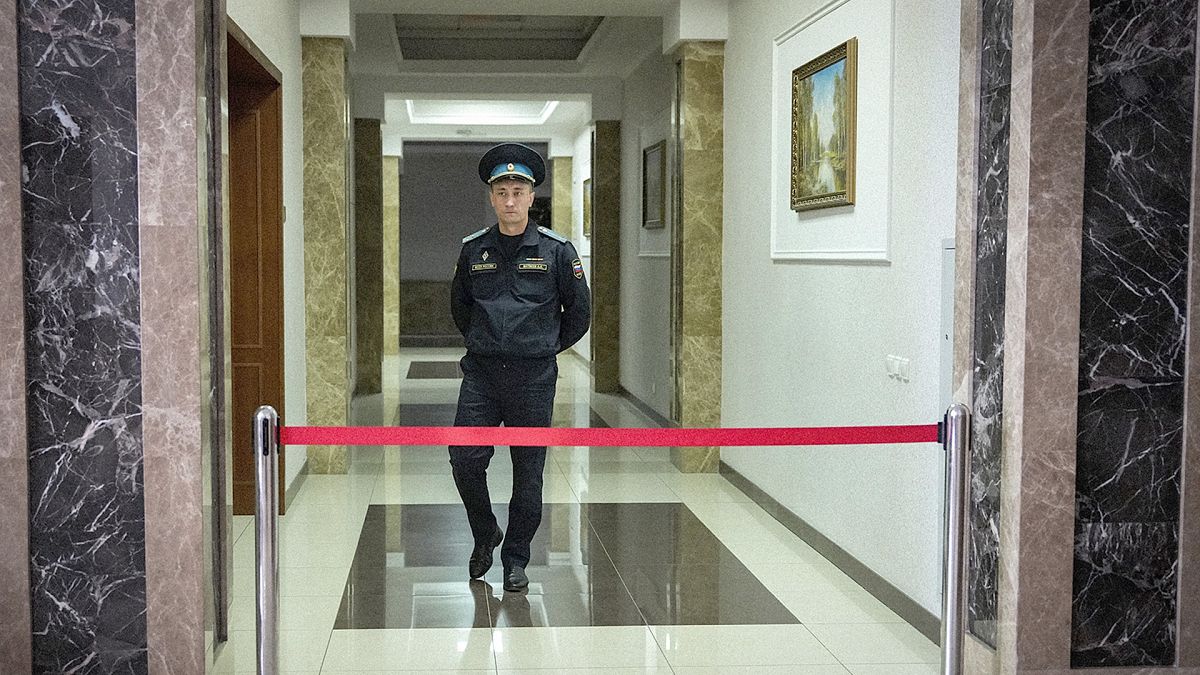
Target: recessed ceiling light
475,112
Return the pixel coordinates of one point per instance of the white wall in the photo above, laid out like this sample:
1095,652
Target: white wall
581,170
804,343
274,27
645,254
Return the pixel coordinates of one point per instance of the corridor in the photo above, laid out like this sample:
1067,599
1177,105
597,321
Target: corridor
636,568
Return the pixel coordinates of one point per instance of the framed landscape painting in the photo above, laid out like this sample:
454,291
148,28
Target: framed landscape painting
824,108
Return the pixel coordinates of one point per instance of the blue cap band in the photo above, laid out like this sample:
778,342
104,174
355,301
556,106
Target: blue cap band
503,170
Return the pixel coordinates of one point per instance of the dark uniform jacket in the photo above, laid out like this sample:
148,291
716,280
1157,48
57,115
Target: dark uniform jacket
535,305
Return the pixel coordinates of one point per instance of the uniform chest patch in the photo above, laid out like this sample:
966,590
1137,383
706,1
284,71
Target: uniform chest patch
533,267
483,267
577,268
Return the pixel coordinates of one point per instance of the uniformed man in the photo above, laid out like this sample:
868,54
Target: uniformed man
519,298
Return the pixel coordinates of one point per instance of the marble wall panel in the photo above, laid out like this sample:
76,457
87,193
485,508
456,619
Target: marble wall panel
966,203
368,256
391,256
1037,464
606,257
78,88
391,273
978,658
326,238
171,187
700,134
216,364
425,308
560,200
14,453
1189,525
1137,207
995,77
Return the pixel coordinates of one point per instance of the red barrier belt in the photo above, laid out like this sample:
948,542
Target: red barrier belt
927,433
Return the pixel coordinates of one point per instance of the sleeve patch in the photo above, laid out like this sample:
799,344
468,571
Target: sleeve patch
577,268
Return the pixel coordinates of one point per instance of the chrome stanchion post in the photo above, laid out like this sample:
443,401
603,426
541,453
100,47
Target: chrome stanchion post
266,548
955,433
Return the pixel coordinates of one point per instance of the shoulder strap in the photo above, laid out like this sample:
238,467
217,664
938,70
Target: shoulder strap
475,235
552,234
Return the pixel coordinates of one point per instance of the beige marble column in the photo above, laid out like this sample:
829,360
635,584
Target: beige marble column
368,256
700,135
171,187
325,244
391,279
15,652
606,257
560,200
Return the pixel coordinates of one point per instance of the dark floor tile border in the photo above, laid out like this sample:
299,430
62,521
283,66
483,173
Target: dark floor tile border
908,609
645,408
432,341
433,370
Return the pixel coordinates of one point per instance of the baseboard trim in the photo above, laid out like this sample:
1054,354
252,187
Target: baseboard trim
645,408
896,600
432,341
294,489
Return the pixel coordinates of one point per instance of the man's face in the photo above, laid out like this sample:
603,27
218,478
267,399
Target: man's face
511,198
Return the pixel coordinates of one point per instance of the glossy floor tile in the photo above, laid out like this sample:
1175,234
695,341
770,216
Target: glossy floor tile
590,565
876,643
600,647
432,649
636,568
741,646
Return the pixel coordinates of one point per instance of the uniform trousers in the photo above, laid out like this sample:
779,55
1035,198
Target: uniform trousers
516,392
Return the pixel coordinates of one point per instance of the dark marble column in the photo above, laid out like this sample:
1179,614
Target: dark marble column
606,256
1137,207
78,88
113,173
991,238
368,256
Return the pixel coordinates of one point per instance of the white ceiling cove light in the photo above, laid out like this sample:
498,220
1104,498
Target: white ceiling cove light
480,113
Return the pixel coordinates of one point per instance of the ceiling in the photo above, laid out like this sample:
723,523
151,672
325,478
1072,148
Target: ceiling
443,77
442,37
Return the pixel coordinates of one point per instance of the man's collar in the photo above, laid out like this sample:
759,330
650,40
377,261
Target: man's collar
529,238
531,234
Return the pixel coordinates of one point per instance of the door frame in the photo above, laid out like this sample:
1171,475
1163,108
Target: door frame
254,74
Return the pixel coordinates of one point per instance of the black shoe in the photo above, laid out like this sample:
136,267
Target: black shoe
481,557
515,579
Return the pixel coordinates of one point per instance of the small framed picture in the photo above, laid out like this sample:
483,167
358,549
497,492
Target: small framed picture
654,181
824,101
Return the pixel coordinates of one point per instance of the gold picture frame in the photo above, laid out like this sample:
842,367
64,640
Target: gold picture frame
654,186
587,208
824,109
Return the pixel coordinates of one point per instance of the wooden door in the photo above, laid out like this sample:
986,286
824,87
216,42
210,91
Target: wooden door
256,260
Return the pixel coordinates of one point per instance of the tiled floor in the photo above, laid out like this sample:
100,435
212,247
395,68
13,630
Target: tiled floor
637,568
